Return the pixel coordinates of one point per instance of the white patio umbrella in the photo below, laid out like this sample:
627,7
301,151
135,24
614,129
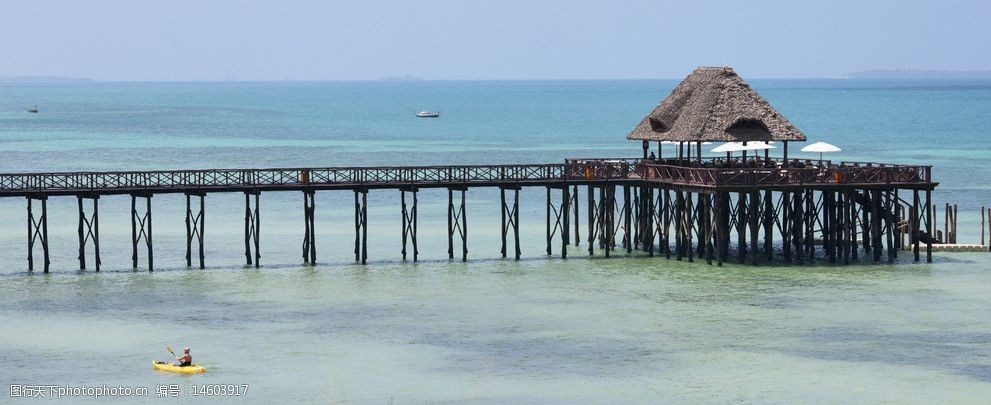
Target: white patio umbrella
821,147
730,147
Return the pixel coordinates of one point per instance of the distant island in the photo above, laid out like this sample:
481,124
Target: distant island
32,80
919,74
406,78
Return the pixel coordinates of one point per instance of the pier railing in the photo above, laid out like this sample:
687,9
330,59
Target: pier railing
775,174
297,178
710,174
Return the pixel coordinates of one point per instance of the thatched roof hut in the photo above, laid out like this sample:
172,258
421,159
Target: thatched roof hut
715,104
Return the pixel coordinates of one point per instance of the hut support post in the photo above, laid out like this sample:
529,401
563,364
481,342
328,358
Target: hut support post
361,225
194,228
409,222
309,235
511,219
38,232
252,224
141,230
89,229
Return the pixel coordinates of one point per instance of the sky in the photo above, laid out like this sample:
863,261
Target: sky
469,40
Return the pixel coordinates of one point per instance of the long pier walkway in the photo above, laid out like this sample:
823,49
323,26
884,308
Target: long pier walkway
672,207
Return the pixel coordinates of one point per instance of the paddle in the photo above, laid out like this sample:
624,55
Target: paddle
169,348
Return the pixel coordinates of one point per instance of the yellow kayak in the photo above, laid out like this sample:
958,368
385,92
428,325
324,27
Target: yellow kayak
172,368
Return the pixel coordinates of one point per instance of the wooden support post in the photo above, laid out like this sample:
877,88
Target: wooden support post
785,225
916,220
592,223
741,227
798,220
811,214
955,207
252,225
502,211
679,224
889,214
194,228
707,216
510,219
722,222
450,223
650,219
665,235
769,215
607,215
688,227
38,232
876,225
983,220
627,219
516,221
309,235
549,205
141,229
865,221
946,223
457,222
89,229
565,225
575,207
929,225
360,226
829,224
754,216
409,222
699,228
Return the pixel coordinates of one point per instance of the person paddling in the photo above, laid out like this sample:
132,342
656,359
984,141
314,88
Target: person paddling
185,360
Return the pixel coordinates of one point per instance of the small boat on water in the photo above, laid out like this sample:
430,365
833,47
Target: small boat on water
33,110
428,114
172,368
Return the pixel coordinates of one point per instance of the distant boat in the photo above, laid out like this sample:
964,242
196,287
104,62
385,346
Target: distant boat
33,110
428,114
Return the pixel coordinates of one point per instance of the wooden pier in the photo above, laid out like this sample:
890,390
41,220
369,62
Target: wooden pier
681,209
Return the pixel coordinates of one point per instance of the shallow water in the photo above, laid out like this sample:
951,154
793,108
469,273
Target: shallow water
626,329
623,330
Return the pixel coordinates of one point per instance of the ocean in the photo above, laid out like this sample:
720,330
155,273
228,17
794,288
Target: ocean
623,329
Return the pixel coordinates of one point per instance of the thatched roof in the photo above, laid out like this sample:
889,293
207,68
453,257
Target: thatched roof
715,104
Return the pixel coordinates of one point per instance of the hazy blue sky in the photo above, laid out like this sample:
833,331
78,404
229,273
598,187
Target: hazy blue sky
340,40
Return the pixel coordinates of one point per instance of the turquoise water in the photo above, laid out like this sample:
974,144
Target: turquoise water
605,330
